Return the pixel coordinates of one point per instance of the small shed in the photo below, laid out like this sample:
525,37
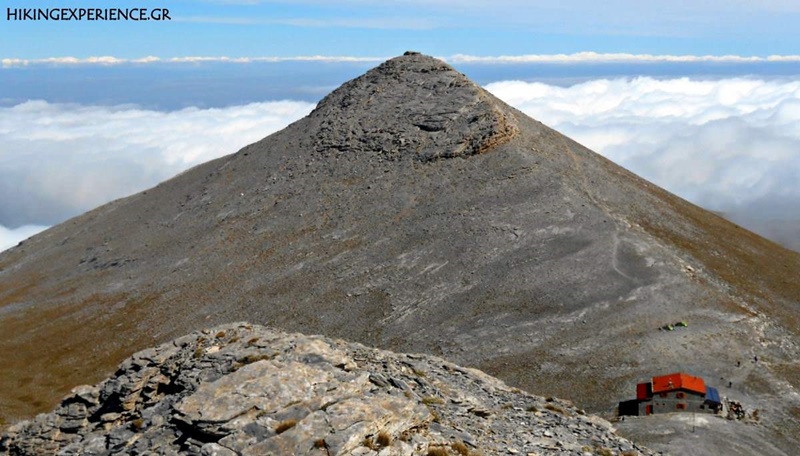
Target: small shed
677,392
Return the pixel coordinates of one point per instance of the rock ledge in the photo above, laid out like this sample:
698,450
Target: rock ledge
241,389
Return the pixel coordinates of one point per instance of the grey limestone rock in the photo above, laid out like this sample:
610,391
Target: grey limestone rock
414,212
415,107
252,390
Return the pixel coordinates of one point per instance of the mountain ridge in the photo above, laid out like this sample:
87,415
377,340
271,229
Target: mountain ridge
251,390
534,259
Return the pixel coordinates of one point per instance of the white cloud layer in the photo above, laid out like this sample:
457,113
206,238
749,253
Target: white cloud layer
595,57
730,145
59,160
574,58
9,238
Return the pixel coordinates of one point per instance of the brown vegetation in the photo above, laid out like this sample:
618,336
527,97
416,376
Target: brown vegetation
384,439
555,408
369,443
52,339
460,448
285,425
430,400
438,451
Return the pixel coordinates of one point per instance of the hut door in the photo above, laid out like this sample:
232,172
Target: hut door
648,410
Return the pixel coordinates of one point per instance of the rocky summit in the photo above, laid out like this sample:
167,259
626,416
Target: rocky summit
243,389
444,114
415,212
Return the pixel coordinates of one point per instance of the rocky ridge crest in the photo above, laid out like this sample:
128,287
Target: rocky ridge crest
242,389
415,107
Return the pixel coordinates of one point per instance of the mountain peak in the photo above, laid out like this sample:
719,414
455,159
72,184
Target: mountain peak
527,256
412,106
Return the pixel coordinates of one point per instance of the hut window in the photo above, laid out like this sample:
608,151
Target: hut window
680,395
680,406
663,394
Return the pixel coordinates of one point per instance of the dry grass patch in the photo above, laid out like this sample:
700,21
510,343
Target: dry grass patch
555,408
369,443
437,451
430,400
254,358
285,425
384,439
460,448
46,343
137,424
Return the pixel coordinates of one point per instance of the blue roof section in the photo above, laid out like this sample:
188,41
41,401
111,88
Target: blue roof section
712,395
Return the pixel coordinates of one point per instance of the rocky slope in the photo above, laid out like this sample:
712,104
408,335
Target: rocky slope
415,212
242,389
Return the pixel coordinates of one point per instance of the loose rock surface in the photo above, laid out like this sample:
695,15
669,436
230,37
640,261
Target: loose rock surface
415,212
442,114
242,389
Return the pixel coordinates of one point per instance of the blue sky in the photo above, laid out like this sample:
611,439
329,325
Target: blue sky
384,28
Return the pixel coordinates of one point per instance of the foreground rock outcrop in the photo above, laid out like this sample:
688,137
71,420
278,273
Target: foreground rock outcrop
242,389
414,212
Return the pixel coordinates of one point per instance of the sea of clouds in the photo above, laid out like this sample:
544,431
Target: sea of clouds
730,145
59,160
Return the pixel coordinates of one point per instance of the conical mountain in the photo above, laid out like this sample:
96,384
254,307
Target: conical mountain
414,211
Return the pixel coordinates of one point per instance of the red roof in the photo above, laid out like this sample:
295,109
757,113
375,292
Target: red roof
678,381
